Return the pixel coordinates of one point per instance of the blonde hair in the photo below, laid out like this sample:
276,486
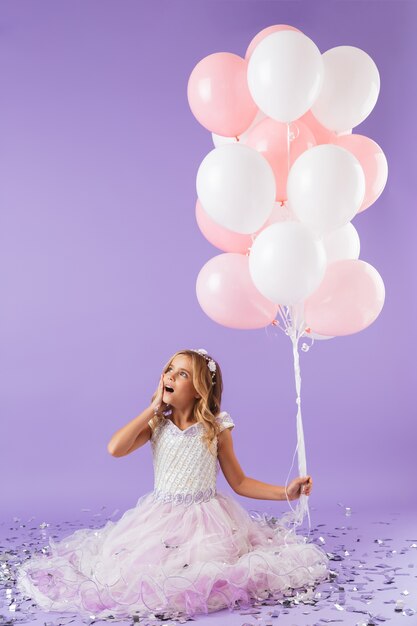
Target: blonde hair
207,406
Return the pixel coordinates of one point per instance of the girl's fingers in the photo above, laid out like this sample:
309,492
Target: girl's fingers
306,484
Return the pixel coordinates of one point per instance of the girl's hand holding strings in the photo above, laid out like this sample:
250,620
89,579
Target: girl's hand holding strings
298,486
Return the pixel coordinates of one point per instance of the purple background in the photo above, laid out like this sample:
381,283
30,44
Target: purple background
100,252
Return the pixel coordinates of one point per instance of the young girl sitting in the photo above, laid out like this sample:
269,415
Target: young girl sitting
185,548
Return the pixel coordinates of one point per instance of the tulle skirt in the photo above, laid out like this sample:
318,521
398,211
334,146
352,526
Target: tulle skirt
161,557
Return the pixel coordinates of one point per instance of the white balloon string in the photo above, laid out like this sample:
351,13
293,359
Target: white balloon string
284,316
252,236
301,510
288,148
295,329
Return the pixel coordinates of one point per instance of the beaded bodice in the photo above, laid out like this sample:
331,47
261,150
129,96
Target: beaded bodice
184,468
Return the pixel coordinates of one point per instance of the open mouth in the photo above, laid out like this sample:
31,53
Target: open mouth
168,389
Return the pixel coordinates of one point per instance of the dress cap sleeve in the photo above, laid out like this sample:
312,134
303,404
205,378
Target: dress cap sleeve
225,420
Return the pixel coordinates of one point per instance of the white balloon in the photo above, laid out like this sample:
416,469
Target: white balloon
220,140
287,262
285,75
342,243
236,187
350,88
326,187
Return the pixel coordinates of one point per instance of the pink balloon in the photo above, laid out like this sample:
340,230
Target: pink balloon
373,161
264,33
218,94
229,240
269,137
226,293
321,133
349,298
223,238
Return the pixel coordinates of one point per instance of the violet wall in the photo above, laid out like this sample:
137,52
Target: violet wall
100,250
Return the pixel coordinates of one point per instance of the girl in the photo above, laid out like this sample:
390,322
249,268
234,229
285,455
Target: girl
185,548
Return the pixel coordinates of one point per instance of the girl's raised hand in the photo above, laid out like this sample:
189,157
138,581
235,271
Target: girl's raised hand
298,486
157,402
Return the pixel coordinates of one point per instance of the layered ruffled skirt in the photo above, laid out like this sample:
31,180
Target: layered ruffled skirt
160,557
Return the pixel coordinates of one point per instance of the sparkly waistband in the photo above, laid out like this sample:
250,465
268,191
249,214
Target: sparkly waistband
183,498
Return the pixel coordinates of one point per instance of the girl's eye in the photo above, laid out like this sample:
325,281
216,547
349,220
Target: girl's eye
185,373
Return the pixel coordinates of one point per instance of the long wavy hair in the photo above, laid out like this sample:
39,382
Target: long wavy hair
207,406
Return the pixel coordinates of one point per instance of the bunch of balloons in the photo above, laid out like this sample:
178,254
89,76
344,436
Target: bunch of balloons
286,177
279,190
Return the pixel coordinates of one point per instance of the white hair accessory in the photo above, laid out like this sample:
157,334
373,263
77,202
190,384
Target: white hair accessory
210,363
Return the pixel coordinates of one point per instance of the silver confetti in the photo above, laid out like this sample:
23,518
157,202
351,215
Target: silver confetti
364,569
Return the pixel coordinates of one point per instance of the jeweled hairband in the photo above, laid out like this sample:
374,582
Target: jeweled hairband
210,363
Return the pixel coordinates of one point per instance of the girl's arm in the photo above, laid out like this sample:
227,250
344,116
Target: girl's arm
249,487
137,432
130,437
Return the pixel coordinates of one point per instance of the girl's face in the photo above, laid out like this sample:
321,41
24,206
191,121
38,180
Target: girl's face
178,376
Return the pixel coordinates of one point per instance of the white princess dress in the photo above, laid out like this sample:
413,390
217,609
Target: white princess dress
185,548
